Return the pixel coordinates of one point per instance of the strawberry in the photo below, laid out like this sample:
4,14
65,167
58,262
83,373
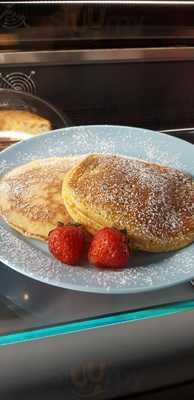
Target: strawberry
109,249
67,243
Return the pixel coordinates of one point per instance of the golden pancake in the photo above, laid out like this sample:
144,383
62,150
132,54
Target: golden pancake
154,204
30,196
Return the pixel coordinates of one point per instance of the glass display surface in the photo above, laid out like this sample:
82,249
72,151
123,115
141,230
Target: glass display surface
32,310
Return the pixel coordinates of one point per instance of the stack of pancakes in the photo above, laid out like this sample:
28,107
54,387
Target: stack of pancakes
152,203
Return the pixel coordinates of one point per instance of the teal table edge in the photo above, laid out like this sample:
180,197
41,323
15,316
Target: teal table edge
97,322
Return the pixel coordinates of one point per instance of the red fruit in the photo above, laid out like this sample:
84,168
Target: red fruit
66,243
109,249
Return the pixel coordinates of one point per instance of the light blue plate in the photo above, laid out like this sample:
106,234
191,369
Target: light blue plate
146,271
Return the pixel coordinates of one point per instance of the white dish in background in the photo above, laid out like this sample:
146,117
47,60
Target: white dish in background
14,135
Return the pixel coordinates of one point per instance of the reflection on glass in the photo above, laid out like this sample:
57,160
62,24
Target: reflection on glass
26,26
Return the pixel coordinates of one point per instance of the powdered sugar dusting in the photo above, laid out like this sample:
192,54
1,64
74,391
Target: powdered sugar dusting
25,258
4,166
149,200
131,142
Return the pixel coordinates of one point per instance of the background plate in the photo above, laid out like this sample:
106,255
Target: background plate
147,271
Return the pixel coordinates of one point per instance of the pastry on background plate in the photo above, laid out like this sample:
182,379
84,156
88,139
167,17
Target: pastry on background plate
153,203
24,121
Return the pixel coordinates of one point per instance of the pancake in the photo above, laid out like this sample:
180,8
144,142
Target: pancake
30,196
153,203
